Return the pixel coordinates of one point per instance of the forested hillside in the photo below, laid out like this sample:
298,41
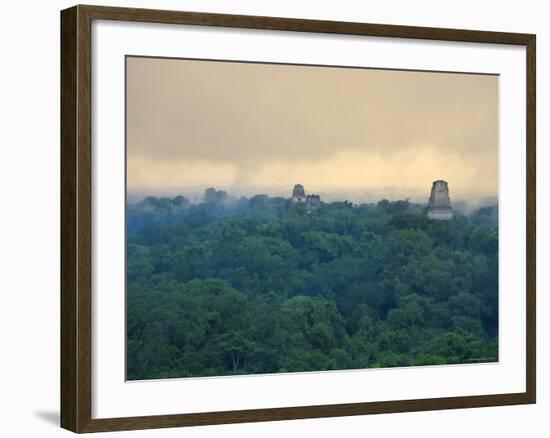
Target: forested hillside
261,286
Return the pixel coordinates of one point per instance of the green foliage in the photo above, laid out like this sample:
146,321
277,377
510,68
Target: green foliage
240,286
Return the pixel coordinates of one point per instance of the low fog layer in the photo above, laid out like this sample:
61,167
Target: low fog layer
357,196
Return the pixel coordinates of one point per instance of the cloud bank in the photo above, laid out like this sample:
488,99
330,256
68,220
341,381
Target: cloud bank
193,123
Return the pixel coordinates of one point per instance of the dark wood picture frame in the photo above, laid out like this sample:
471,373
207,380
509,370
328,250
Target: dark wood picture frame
76,218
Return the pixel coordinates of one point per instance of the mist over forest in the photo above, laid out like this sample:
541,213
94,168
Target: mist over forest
462,202
224,284
169,203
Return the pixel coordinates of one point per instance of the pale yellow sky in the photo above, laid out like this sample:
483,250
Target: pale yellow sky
232,125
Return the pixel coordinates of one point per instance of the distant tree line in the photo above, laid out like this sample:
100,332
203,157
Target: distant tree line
257,285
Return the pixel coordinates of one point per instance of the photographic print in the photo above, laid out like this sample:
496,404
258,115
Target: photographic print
302,218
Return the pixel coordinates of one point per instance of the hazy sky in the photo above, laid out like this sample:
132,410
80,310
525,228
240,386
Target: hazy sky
232,125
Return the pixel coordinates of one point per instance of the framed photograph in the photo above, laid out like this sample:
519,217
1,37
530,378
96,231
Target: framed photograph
271,218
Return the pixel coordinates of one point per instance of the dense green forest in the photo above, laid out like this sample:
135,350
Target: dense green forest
258,285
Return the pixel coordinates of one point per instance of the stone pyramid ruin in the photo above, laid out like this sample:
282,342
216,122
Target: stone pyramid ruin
439,205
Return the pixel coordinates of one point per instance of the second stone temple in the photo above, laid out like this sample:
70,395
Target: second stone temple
439,205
